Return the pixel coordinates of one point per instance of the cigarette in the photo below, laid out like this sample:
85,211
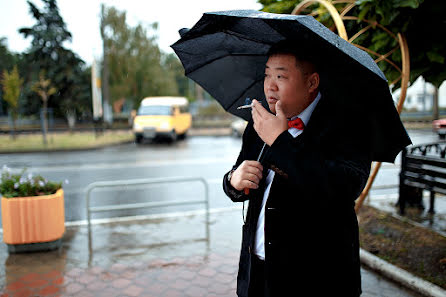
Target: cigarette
245,106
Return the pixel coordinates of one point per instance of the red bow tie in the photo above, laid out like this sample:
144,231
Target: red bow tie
296,123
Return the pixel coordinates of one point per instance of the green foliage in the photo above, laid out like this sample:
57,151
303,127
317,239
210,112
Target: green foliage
12,83
136,68
422,22
173,65
61,65
25,185
43,87
7,61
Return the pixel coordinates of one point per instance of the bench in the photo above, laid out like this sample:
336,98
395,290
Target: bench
423,167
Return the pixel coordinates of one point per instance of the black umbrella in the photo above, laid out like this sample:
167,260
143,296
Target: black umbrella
225,52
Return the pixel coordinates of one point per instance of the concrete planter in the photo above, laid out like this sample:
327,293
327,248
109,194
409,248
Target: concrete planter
33,223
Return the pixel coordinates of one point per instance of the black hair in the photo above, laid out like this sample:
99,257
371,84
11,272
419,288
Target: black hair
299,50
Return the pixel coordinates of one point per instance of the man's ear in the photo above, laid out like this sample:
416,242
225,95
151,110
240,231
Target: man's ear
313,81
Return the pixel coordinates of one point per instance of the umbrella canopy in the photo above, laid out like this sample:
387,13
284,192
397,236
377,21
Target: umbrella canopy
226,52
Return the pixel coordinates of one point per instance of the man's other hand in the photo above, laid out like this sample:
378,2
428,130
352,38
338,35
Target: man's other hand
267,125
247,175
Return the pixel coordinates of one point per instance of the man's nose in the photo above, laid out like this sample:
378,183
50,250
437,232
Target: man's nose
271,85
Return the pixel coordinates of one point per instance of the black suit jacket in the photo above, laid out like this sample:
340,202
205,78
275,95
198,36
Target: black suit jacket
311,231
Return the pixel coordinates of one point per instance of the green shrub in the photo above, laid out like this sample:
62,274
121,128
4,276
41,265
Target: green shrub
25,185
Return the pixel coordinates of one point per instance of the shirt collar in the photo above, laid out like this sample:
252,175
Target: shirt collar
306,114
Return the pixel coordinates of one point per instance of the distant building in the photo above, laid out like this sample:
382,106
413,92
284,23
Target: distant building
420,94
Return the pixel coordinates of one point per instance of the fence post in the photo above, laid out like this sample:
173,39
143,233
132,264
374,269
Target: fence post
401,194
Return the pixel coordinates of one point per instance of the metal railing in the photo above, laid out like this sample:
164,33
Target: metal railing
165,180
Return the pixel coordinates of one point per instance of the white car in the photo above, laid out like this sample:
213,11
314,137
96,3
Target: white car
439,126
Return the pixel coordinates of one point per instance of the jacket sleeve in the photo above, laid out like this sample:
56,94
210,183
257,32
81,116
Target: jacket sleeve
231,192
325,169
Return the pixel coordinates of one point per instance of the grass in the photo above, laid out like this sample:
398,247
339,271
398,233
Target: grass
417,250
62,141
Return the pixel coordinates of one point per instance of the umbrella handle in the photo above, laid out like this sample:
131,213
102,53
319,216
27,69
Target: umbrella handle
246,191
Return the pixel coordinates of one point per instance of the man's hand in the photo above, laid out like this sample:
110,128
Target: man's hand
247,175
268,126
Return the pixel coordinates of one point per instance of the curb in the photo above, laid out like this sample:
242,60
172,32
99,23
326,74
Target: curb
213,132
401,276
61,150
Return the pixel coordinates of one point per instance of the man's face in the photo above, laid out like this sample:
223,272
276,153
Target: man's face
286,83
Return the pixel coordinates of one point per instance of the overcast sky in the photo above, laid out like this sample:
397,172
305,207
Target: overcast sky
82,19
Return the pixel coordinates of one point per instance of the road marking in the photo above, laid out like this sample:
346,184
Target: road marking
154,216
122,165
179,214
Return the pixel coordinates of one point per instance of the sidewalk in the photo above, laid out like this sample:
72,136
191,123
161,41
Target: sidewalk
158,257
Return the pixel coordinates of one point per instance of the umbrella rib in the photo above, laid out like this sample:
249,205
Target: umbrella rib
220,57
230,106
230,32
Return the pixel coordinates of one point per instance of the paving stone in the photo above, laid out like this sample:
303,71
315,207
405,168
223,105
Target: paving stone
75,272
144,279
37,283
74,288
23,293
172,293
186,267
53,274
96,270
96,285
49,290
196,291
15,286
58,281
180,284
29,277
157,288
228,269
225,278
120,283
133,290
86,279
220,289
187,275
209,272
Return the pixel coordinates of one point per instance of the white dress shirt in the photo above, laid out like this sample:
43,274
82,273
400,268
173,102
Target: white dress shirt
259,244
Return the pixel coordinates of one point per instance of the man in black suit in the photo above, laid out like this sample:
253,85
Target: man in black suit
300,237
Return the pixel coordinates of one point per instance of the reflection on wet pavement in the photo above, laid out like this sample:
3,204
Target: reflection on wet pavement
169,257
436,222
163,257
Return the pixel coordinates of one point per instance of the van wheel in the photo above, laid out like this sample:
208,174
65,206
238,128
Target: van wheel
138,139
173,136
182,136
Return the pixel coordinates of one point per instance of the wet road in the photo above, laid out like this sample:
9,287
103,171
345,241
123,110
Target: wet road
200,156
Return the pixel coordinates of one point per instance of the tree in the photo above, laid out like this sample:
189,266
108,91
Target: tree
421,21
63,67
132,60
44,89
7,61
12,84
172,64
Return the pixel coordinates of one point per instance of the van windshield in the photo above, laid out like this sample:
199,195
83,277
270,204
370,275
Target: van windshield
155,110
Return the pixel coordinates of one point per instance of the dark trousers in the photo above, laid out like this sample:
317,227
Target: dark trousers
257,282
